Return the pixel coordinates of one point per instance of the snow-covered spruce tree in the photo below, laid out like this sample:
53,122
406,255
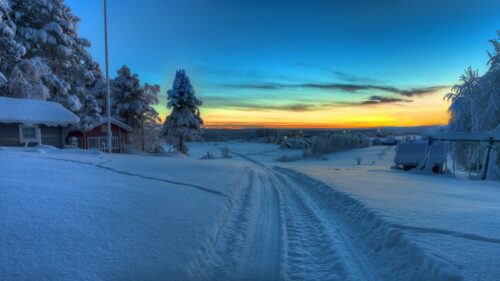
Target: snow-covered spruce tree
475,107
184,123
10,50
48,31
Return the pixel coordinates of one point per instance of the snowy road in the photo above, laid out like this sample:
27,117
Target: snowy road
282,226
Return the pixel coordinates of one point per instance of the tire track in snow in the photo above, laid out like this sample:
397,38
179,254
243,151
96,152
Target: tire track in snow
307,244
395,255
246,246
318,248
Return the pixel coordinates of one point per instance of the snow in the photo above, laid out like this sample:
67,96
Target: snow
31,112
94,221
248,217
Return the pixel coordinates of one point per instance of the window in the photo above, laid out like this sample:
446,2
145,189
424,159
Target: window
93,143
29,134
100,142
115,143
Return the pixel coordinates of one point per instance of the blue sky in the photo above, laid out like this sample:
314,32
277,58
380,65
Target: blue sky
290,56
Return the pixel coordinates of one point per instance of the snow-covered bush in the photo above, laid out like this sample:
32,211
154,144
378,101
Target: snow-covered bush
184,123
475,107
321,145
226,153
358,160
208,156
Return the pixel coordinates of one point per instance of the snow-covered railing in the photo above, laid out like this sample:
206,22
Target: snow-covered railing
481,137
491,139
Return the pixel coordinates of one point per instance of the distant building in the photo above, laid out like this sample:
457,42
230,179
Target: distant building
28,122
96,137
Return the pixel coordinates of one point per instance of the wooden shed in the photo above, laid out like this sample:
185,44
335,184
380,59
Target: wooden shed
28,122
96,137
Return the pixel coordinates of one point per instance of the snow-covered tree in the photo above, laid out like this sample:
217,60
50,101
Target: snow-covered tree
132,102
475,107
10,50
184,123
48,30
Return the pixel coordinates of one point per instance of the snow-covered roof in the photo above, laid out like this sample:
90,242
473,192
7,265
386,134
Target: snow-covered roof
115,122
33,112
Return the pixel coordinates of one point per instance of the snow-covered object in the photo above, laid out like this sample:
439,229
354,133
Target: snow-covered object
184,123
410,153
32,112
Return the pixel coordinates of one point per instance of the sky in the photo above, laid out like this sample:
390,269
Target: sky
291,63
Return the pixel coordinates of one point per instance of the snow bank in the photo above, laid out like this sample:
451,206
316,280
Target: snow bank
32,112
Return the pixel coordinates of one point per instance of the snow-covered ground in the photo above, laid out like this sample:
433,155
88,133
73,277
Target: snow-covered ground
83,216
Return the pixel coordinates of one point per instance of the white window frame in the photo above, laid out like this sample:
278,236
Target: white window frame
38,133
115,142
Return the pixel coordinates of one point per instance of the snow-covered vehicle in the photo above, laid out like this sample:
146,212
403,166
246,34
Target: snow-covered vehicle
410,154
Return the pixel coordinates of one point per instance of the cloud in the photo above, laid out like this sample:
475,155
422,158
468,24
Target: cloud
382,100
411,92
226,102
339,74
265,105
239,73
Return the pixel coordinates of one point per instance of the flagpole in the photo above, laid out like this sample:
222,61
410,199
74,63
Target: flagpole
108,94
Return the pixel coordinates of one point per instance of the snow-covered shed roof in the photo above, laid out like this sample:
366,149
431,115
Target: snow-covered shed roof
35,112
115,122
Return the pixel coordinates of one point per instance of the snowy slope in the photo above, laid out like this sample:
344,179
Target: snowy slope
76,220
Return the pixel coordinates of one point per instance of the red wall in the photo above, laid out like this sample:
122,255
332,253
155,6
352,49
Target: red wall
100,132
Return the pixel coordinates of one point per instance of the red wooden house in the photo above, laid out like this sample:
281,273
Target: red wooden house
96,138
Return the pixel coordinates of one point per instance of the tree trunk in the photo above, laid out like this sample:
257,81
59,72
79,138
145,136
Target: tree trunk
181,144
